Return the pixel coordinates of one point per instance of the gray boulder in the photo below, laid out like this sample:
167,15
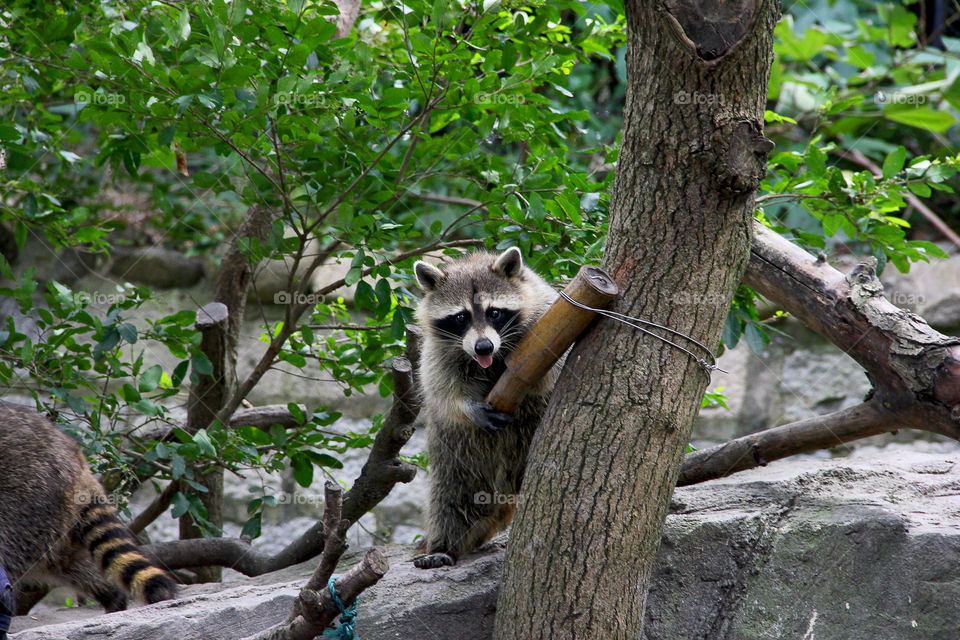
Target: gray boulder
930,289
156,267
860,548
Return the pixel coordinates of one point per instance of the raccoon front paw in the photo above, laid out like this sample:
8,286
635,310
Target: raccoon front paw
433,561
488,418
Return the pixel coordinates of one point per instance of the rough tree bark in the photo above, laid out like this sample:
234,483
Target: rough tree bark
605,459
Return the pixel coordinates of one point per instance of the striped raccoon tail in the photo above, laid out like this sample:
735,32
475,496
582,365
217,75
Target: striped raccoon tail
114,549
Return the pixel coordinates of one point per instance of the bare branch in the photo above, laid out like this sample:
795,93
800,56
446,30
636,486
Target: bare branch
804,436
380,473
914,369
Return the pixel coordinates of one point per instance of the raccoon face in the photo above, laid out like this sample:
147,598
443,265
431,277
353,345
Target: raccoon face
475,303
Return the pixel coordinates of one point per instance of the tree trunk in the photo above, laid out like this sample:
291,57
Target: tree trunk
605,459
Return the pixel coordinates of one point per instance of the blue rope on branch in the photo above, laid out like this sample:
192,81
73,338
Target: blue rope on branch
348,617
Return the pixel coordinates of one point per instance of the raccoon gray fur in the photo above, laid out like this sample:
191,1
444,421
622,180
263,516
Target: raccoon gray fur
475,311
56,524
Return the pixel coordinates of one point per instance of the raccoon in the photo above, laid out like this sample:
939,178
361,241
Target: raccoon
474,312
56,524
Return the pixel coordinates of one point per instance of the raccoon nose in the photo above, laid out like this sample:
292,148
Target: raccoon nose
483,347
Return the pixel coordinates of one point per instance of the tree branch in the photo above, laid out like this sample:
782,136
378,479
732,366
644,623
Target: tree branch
915,370
380,473
318,606
803,436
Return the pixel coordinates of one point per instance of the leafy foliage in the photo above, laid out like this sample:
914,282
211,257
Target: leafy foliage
427,126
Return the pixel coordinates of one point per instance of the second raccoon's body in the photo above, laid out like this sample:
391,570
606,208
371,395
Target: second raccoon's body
474,313
56,524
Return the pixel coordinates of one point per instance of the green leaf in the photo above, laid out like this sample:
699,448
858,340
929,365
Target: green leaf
384,297
180,505
251,528
178,466
302,469
128,332
929,248
732,330
756,338
166,135
26,352
151,378
202,438
894,162
179,373
353,276
816,160
922,118
296,412
398,326
325,460
148,407
771,116
9,133
831,223
202,365
537,209
183,25
129,393
278,435
20,235
110,340
181,318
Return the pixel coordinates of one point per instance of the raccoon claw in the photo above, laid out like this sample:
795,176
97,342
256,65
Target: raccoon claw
433,560
488,419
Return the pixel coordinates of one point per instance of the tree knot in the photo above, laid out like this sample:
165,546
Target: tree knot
863,280
741,156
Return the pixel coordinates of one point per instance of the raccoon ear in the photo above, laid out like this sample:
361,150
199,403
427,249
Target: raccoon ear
509,263
428,276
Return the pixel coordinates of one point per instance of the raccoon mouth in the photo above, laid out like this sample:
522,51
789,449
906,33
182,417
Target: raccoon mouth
484,361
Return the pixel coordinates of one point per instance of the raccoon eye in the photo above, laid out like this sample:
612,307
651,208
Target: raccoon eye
494,314
461,317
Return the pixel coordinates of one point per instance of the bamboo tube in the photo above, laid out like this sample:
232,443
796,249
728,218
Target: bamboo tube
551,336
